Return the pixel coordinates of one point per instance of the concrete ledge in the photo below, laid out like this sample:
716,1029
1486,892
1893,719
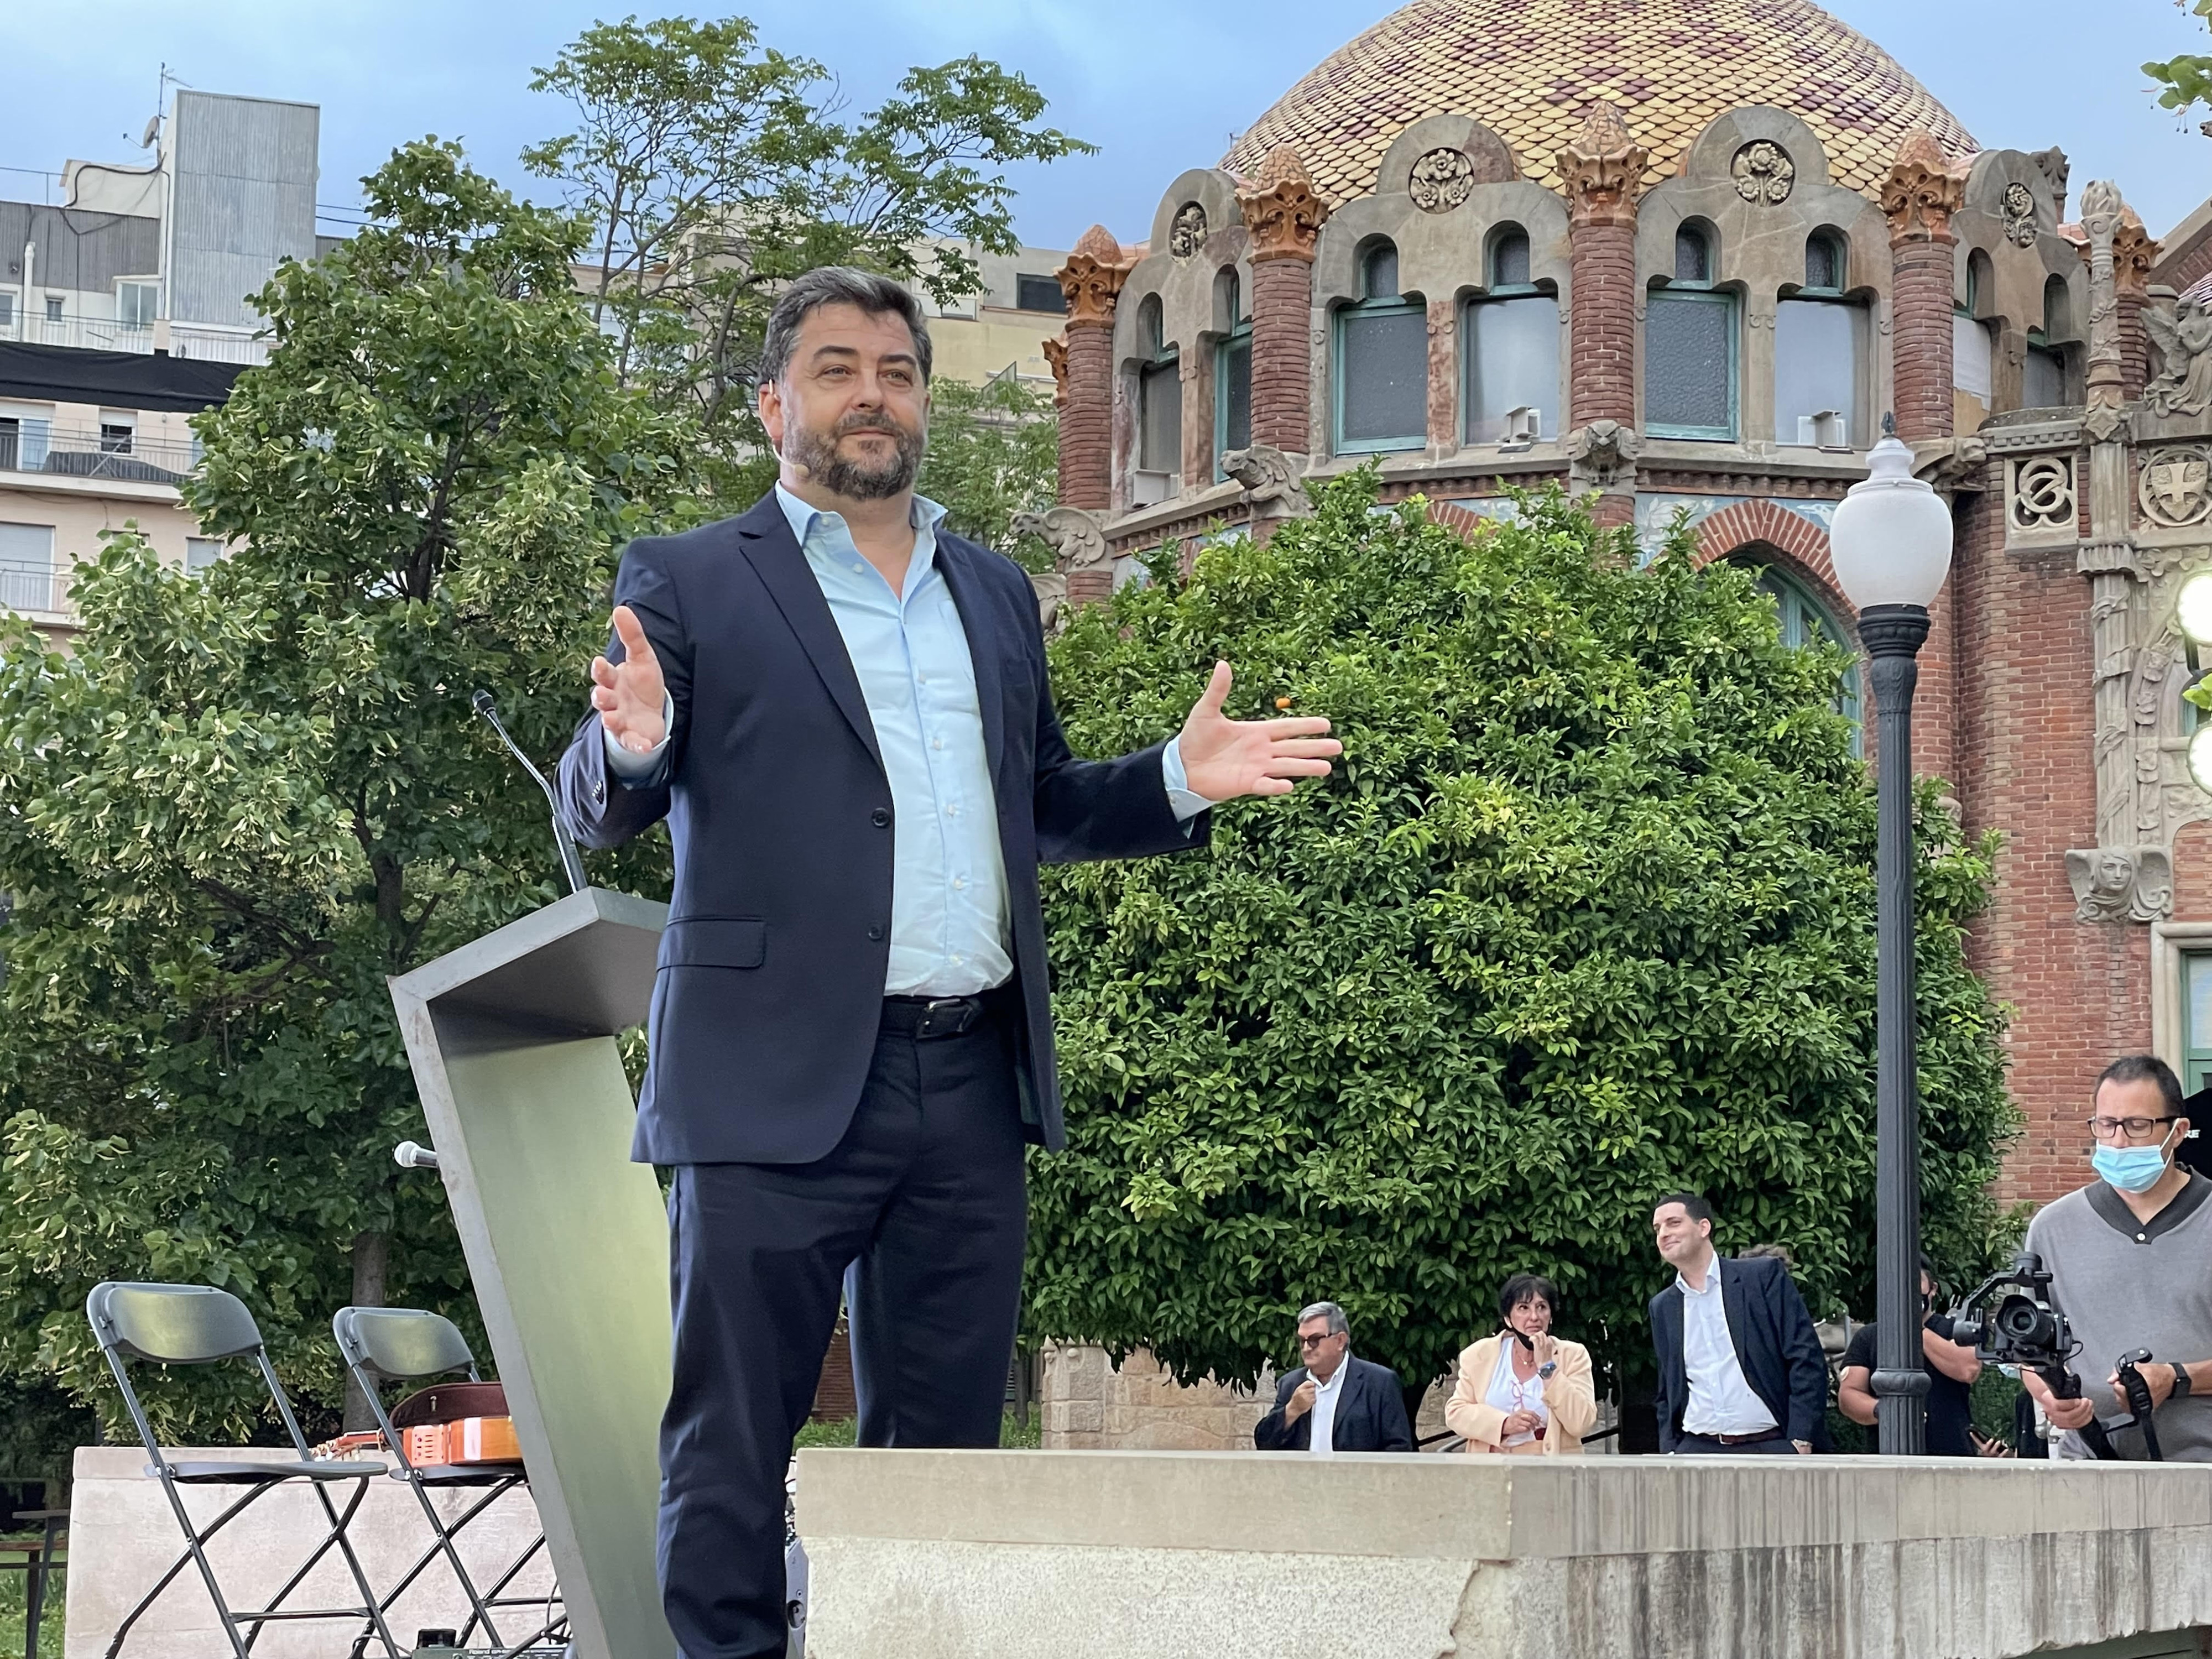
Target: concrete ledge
123,1536
950,1555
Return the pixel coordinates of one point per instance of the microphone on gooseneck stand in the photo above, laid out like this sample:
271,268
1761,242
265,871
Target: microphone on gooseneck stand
572,865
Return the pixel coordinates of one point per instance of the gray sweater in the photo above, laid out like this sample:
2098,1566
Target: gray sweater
2125,1285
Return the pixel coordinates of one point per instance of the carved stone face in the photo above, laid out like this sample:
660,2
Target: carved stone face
2115,872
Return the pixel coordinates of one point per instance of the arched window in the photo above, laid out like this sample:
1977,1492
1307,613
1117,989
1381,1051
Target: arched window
1508,257
1232,370
1972,352
1690,330
1159,410
1693,255
2043,372
1381,377
1510,341
1805,621
1820,354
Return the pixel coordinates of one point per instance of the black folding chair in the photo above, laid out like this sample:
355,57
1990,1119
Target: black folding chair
403,1345
200,1325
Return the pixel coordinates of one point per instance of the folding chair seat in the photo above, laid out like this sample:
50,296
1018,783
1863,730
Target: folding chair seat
200,1325
384,1345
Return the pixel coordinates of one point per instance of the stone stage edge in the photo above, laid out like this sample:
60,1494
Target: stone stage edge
1165,1555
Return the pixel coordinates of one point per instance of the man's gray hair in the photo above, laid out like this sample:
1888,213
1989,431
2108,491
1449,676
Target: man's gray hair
838,285
1329,1311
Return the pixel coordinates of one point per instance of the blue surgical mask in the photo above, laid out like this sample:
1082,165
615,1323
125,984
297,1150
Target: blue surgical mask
2131,1169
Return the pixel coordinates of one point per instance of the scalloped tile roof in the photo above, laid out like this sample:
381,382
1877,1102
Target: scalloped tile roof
1529,68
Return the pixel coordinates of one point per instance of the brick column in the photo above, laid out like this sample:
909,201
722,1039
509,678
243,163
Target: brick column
1603,170
1922,191
1284,218
2134,253
1083,369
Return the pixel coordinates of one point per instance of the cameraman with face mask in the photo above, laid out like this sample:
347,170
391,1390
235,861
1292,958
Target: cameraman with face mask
2130,1262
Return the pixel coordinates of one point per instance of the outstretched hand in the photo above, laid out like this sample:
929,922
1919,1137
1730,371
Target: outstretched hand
630,695
1223,758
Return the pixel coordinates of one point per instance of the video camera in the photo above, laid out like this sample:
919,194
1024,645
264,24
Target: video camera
2010,1320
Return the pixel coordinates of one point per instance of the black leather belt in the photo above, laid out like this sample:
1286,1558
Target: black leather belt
925,1018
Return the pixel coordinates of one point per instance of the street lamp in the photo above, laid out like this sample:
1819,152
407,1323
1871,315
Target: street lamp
1891,544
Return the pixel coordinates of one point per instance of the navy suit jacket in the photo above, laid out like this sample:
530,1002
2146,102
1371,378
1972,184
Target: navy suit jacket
770,986
1369,1417
1775,1343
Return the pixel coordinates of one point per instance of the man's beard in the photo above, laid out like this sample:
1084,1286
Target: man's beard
818,453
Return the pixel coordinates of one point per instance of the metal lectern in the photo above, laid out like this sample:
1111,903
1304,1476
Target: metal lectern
513,1043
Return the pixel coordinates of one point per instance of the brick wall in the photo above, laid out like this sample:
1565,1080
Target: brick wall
1601,319
1282,353
2080,990
1920,335
2135,344
1086,422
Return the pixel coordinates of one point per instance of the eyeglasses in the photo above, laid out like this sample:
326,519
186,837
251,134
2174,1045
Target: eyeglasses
2137,1129
1305,1342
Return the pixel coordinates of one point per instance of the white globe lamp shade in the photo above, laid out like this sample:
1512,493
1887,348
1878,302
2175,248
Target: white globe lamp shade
2200,758
2193,607
1891,540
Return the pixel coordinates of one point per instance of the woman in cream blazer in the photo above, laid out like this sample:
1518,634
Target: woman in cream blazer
1524,1390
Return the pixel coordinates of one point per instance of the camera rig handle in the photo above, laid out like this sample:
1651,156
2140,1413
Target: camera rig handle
2065,1385
2139,1403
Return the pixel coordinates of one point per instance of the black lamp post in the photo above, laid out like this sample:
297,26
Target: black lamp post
1891,544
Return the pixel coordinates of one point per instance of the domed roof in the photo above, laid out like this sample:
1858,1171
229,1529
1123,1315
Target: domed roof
1528,69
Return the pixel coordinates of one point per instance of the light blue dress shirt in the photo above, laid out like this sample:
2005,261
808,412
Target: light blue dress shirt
949,932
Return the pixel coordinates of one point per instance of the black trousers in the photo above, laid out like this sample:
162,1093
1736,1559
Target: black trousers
918,1218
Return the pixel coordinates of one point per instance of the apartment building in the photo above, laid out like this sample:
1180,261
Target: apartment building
123,312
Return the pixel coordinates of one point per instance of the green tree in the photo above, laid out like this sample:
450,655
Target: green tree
1587,913
245,797
713,169
994,451
2187,79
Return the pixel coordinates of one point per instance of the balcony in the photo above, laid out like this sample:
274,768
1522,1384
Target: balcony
33,589
98,452
215,345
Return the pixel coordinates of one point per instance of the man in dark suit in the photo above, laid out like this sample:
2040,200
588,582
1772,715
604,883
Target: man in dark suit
1739,1367
842,711
1334,1402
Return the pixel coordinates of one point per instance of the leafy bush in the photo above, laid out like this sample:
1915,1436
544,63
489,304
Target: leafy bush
1587,913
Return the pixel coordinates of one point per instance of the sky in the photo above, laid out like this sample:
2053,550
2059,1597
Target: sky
1157,85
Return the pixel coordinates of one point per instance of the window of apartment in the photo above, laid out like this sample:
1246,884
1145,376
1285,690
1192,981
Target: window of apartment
1806,622
1511,333
1035,293
7,309
135,303
1381,377
1972,349
1159,408
200,552
1819,354
27,567
1690,347
53,308
1232,369
24,442
2043,372
2196,1020
118,430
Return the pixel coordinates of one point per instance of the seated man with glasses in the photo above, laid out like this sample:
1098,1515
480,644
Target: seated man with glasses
1334,1403
2131,1260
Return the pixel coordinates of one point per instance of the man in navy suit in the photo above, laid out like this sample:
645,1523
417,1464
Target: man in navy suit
842,710
1334,1402
1739,1366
